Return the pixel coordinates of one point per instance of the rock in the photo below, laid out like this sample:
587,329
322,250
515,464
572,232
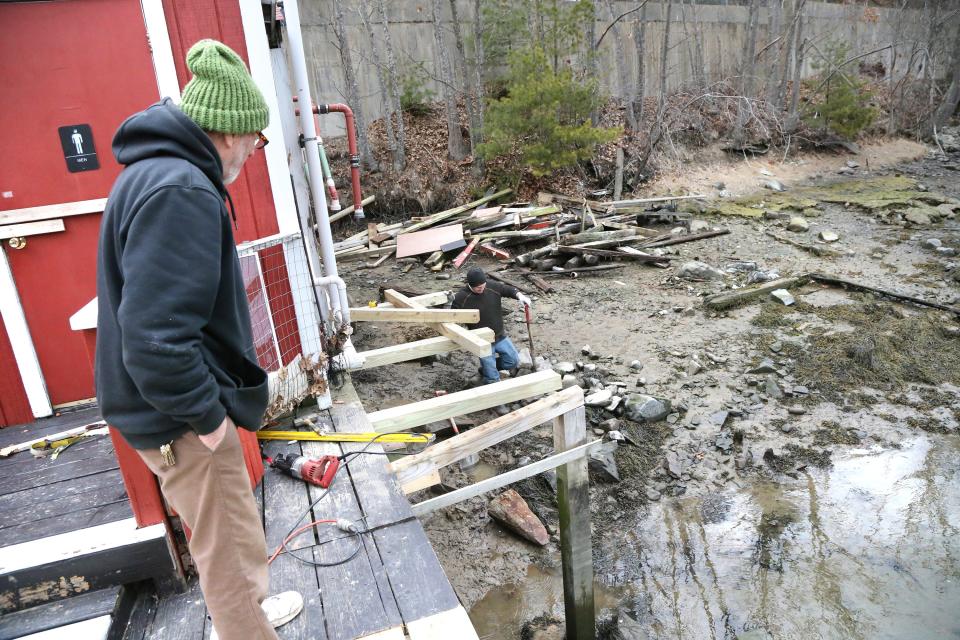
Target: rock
541,364
759,277
719,418
766,366
772,388
602,463
853,164
672,418
694,367
829,236
512,511
585,350
699,226
796,411
611,424
947,251
550,477
917,217
932,243
643,408
700,271
786,427
614,403
564,368
776,347
590,367
783,296
598,398
442,276
798,224
741,266
569,380
946,210
724,441
653,495
673,464
801,390
774,185
636,365
744,460
525,362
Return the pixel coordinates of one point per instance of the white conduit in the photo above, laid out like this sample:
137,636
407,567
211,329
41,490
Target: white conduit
337,290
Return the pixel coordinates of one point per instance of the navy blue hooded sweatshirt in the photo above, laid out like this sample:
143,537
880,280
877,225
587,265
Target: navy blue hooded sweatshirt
174,345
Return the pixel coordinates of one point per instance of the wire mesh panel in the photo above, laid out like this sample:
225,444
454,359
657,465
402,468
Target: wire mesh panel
285,319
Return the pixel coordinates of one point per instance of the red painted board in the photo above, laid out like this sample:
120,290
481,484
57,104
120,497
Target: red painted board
14,405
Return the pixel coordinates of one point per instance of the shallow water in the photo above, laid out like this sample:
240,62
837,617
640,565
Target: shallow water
866,549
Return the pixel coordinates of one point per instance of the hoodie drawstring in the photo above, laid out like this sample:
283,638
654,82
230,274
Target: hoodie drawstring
233,212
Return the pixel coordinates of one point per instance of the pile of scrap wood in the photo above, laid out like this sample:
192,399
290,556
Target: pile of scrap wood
575,236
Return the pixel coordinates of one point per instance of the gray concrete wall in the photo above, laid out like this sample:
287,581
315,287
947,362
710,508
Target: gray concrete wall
723,28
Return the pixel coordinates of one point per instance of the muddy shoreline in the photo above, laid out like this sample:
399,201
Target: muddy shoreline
734,442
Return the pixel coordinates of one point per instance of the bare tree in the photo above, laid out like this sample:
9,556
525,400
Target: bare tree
619,55
456,145
640,42
385,99
400,160
478,64
799,47
353,90
470,91
948,106
748,70
694,39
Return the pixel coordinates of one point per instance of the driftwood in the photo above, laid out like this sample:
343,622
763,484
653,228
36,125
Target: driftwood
574,273
847,284
499,277
683,239
604,253
815,249
735,298
599,236
535,279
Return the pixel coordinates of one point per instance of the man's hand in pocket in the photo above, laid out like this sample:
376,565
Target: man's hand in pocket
213,439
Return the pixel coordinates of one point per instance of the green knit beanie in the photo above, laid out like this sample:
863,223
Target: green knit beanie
221,96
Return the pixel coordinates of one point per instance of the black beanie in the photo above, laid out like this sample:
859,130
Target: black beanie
476,277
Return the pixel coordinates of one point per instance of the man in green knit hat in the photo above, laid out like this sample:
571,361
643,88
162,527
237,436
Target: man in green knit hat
176,368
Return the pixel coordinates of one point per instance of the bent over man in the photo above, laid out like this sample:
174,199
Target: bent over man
486,296
176,368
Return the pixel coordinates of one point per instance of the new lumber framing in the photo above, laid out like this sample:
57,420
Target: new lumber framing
452,405
31,228
467,340
416,350
422,316
410,468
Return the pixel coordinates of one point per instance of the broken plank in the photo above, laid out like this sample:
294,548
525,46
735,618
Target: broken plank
414,244
574,273
449,213
427,316
452,405
409,468
462,257
416,350
366,253
734,298
499,277
604,253
491,250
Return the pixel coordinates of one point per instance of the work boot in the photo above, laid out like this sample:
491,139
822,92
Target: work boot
515,372
280,609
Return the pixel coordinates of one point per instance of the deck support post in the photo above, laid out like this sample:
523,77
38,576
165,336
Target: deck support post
576,553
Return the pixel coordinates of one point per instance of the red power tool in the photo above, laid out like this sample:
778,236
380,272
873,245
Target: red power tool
319,472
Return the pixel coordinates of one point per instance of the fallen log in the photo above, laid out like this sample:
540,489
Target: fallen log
604,253
682,239
815,249
847,284
731,299
536,280
598,236
557,271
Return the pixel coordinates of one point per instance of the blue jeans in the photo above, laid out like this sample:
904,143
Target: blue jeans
509,359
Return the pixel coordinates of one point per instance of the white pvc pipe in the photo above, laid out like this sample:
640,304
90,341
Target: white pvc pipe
315,179
337,293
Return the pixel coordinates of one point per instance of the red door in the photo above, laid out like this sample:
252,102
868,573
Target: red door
84,62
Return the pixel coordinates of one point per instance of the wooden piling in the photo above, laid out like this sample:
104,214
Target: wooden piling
576,553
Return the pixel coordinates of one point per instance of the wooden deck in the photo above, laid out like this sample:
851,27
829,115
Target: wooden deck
393,588
41,497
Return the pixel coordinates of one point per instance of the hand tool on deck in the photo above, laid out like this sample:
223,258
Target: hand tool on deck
526,312
319,472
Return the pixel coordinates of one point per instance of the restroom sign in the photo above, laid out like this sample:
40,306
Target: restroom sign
78,149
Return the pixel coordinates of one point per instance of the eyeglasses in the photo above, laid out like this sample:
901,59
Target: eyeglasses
261,141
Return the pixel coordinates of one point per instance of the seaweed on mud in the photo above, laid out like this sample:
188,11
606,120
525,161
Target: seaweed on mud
830,432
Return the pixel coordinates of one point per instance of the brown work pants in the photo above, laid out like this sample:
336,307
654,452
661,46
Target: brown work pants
210,490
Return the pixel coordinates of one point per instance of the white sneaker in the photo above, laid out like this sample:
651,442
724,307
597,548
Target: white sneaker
280,609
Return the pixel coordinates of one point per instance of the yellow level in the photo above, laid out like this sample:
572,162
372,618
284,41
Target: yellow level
417,438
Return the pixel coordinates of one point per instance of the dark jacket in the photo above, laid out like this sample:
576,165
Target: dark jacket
174,345
488,303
